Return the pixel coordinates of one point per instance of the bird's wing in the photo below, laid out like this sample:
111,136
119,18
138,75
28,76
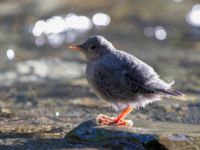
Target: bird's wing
146,80
137,72
118,83
135,84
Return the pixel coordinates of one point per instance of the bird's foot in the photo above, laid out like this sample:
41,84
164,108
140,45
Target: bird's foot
106,120
119,121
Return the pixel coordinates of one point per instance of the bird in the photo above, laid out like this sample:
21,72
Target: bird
121,79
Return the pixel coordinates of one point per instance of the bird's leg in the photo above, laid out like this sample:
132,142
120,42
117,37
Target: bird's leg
123,114
119,120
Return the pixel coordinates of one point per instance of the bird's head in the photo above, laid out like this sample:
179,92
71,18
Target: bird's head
94,48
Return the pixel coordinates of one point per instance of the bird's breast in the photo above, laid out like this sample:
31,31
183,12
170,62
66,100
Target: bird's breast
90,71
90,76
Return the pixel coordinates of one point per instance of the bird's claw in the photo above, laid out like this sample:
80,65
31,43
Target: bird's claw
106,120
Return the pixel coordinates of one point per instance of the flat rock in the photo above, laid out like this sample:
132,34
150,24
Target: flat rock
144,135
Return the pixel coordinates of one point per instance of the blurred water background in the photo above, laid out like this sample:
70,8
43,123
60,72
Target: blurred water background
42,81
38,29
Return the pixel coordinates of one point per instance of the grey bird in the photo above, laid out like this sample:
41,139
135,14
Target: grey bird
121,79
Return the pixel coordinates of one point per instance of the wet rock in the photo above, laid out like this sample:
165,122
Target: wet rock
91,135
145,135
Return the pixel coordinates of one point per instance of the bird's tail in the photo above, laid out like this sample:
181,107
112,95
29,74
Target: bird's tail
172,92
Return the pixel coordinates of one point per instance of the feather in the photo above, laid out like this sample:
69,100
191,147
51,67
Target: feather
172,92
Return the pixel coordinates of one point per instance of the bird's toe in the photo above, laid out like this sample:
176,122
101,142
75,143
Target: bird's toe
105,120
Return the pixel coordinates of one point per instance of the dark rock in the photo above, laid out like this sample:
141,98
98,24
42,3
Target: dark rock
89,134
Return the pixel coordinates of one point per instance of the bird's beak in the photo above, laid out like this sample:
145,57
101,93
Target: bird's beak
76,47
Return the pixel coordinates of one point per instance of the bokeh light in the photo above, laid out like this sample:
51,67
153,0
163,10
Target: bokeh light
157,32
57,30
54,25
81,23
39,28
178,1
57,114
149,31
10,54
40,41
55,40
193,17
160,33
101,19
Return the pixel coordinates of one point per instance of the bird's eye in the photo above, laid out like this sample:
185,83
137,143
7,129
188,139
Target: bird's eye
93,47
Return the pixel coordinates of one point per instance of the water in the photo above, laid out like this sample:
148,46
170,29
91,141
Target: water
42,85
